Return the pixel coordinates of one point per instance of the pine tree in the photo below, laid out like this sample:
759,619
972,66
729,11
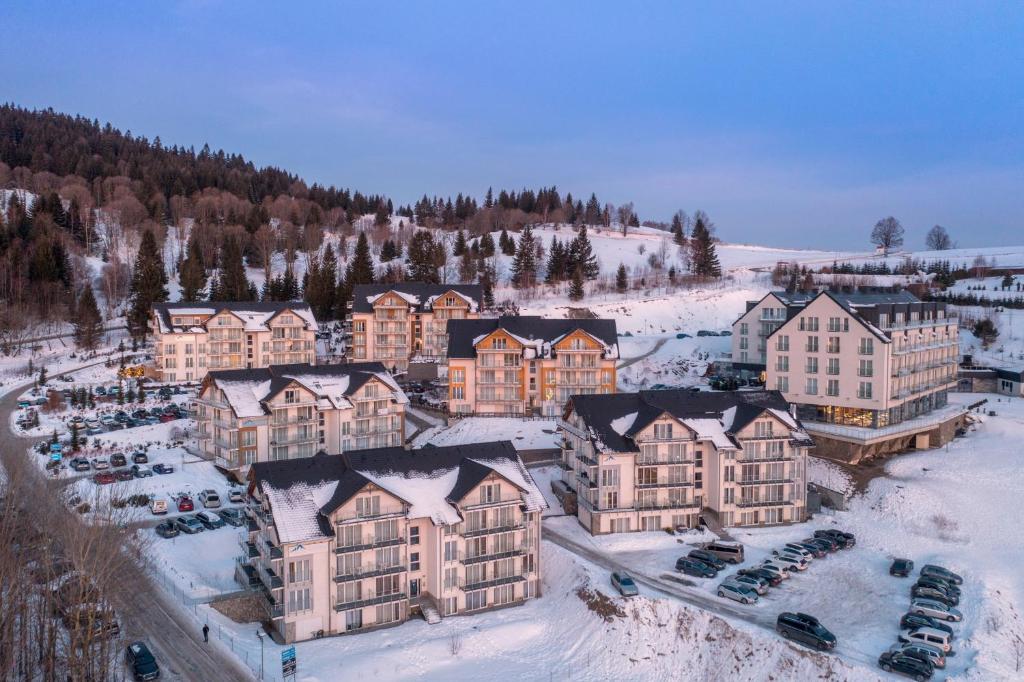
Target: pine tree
42,376
149,285
192,274
88,321
678,228
459,247
75,443
360,268
621,279
506,243
704,259
232,284
581,255
486,245
524,265
388,251
131,395
467,267
576,285
487,287
422,258
556,266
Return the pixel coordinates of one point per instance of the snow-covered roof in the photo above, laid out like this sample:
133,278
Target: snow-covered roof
296,509
419,295
254,315
621,425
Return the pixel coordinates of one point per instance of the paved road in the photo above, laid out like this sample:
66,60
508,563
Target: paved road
632,361
669,585
146,611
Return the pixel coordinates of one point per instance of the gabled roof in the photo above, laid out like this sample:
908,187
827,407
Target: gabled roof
534,332
419,295
248,390
613,421
254,314
847,302
790,299
430,482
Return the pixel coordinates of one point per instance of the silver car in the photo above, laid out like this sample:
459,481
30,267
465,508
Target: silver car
775,568
935,609
748,581
744,595
624,584
933,654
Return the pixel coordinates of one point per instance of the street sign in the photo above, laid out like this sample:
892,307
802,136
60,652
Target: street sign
288,662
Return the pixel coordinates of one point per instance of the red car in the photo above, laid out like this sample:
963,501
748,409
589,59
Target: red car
123,475
104,477
185,504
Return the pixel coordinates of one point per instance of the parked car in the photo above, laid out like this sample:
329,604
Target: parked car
124,474
795,561
935,609
167,529
624,584
121,416
933,593
158,506
695,568
805,629
99,390
185,504
707,557
108,421
744,595
164,418
948,588
817,551
232,517
140,659
771,577
80,464
930,636
140,457
779,568
731,552
141,471
907,665
794,548
922,651
118,460
236,495
140,414
189,524
103,478
901,567
756,584
940,572
826,543
845,540
100,463
210,520
909,621
209,498
163,469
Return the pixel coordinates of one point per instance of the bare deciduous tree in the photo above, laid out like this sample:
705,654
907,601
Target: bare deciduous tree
887,234
938,239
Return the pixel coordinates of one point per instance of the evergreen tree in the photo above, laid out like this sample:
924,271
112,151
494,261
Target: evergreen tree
467,267
232,284
556,266
506,243
321,284
360,268
149,285
704,259
592,213
486,245
192,274
120,391
75,443
131,395
388,252
487,287
576,285
524,265
42,376
422,258
459,247
581,255
679,228
88,321
621,279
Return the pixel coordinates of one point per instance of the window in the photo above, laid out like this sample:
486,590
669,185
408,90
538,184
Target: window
832,388
782,384
414,535
864,390
729,495
765,429
504,594
811,387
451,550
610,476
611,499
476,600
300,600
812,344
866,368
833,366
389,613
833,344
744,328
782,343
811,366
698,480
490,493
663,431
782,363
414,561
808,324
298,571
866,347
499,343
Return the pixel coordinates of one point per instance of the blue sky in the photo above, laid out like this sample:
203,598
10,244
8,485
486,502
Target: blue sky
795,124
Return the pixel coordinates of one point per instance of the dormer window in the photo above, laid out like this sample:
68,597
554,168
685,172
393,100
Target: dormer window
490,493
500,343
449,301
663,431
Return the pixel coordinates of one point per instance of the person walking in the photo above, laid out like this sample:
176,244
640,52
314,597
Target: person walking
206,633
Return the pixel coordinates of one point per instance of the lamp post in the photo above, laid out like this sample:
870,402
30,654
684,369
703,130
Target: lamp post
259,633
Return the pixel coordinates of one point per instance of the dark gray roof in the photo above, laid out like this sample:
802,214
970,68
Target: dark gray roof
423,291
1010,374
600,411
461,333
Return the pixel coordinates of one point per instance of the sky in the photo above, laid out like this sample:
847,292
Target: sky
791,124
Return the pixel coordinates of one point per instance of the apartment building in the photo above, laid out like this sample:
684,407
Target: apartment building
352,542
399,323
191,339
751,331
528,365
285,412
662,459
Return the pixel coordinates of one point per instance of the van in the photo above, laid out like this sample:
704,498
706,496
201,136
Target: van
158,506
730,552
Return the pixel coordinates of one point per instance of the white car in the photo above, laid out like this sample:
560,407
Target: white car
935,609
749,582
100,463
744,595
792,560
775,569
209,498
797,550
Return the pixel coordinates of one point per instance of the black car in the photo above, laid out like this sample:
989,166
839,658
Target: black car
140,457
167,529
141,661
908,665
706,557
805,629
826,543
695,567
121,416
909,621
80,464
118,460
140,414
845,540
901,567
933,593
942,573
163,469
774,579
948,588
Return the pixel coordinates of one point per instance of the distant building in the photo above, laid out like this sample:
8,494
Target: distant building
284,412
398,323
347,543
528,365
191,339
662,459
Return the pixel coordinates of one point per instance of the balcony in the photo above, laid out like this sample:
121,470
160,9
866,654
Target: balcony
371,599
268,549
367,571
270,579
763,503
294,440
249,549
488,530
589,461
662,461
663,483
383,511
263,517
466,559
367,542
466,586
763,481
585,480
669,504
274,608
773,458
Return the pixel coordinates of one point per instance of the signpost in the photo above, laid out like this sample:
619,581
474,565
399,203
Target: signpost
288,662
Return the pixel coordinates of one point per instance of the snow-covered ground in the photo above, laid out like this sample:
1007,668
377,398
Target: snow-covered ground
524,434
